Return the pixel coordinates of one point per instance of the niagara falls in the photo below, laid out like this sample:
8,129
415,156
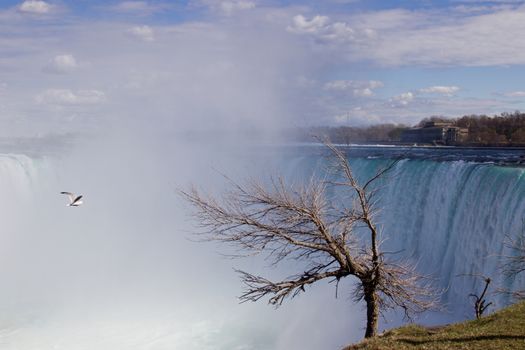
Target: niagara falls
262,175
83,274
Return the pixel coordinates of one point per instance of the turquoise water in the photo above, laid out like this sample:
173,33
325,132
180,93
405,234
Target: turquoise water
114,274
450,213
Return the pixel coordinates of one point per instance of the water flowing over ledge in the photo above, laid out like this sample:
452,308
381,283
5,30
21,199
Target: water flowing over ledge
449,213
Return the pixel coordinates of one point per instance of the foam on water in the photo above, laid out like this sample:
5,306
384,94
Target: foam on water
125,276
450,216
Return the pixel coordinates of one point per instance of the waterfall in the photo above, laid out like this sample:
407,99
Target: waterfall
451,217
125,269
18,175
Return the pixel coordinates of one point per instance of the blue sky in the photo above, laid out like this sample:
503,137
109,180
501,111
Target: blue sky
69,66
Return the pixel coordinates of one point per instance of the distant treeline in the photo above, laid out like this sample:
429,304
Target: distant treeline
505,129
380,133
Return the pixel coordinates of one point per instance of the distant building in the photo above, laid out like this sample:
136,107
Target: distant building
441,133
455,135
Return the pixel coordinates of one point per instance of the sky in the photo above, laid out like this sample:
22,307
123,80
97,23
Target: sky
79,66
134,69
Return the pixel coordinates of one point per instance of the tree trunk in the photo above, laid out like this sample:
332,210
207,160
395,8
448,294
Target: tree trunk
372,312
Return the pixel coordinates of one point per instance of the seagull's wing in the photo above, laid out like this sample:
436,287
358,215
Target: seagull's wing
77,200
70,195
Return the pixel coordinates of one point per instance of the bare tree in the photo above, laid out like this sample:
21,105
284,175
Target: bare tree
333,240
515,261
480,303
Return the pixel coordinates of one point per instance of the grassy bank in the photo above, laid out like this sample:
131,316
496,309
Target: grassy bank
502,330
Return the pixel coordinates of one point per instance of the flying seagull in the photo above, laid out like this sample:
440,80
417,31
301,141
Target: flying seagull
74,200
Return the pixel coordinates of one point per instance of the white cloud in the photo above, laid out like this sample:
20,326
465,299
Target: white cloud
139,7
356,87
143,32
338,85
339,31
515,94
402,99
374,84
229,7
409,109
442,90
478,9
442,38
35,7
366,92
66,97
132,6
305,82
167,66
358,116
61,64
301,25
321,28
159,79
352,84
402,37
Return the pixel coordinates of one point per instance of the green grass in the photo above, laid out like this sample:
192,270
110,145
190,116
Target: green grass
503,330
